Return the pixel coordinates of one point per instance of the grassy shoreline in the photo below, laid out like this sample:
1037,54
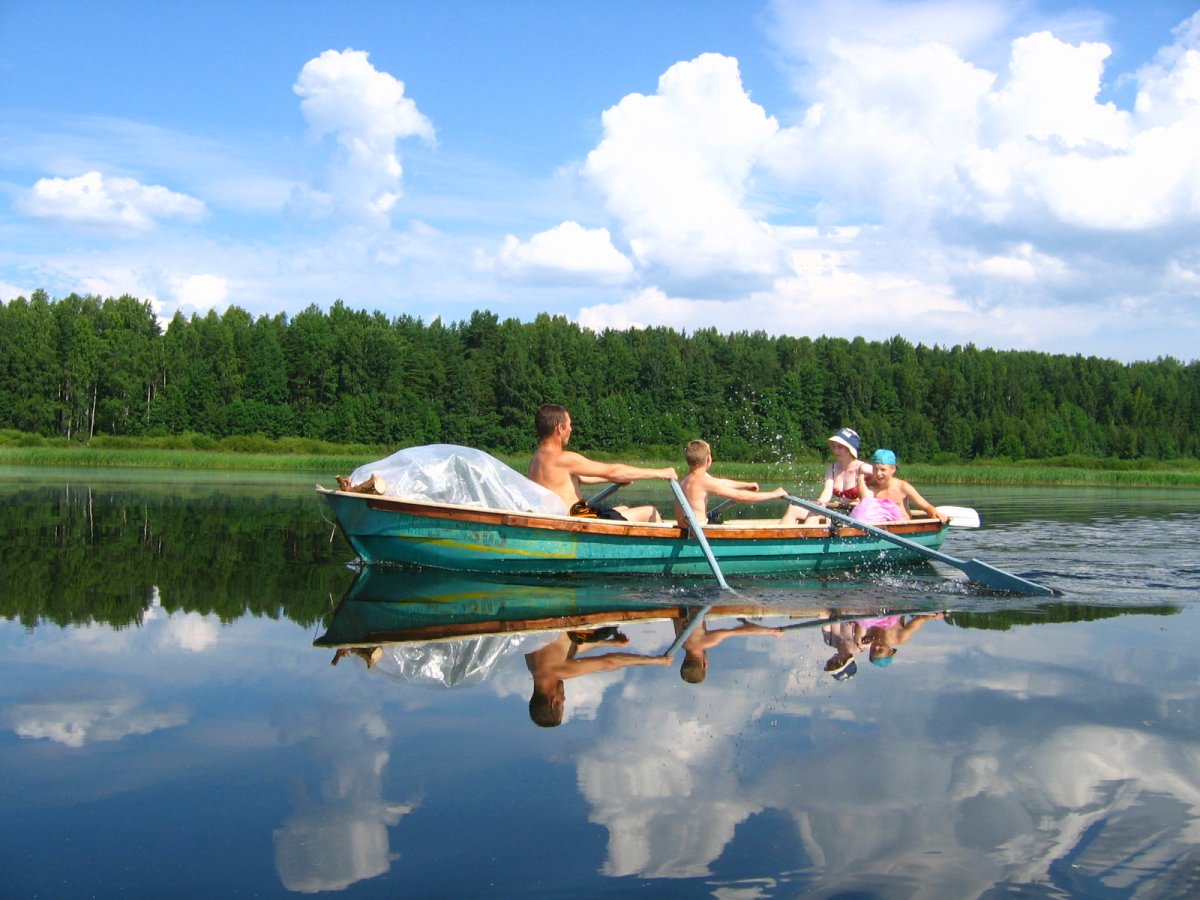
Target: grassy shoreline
331,460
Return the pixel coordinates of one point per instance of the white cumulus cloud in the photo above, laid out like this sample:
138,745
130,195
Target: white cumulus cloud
675,169
367,112
91,713
123,205
567,251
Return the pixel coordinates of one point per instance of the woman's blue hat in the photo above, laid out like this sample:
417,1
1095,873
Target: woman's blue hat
849,438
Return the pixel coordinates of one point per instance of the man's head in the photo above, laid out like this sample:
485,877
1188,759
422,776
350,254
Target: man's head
697,453
546,707
549,417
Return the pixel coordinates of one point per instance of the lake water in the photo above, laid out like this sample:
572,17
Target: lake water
171,723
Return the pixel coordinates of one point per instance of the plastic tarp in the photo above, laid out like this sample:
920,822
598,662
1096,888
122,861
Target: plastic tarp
452,663
448,473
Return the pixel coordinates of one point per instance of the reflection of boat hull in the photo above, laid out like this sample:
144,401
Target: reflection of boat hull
467,539
391,605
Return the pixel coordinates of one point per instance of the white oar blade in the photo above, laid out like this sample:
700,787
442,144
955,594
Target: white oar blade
960,516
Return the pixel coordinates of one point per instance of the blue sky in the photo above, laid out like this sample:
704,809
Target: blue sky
1012,174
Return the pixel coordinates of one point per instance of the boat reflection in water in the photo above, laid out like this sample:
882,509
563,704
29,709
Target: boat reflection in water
433,628
973,763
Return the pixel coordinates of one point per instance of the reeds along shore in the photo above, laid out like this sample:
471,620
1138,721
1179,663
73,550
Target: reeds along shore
331,460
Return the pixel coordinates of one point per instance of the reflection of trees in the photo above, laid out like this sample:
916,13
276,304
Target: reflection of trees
1051,613
74,555
337,833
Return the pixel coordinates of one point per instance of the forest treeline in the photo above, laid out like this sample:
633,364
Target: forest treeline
82,366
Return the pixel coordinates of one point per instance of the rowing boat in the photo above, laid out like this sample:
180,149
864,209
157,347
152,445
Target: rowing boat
466,538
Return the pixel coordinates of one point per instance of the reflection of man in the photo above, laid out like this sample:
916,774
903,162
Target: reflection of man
694,668
557,661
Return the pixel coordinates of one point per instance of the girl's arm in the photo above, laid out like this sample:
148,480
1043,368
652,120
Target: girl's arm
916,499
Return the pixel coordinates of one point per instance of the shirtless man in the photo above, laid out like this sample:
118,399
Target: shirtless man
563,471
698,483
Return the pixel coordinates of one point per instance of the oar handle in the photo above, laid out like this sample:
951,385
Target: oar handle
611,489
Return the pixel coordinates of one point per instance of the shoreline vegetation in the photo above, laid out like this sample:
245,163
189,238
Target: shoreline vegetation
200,452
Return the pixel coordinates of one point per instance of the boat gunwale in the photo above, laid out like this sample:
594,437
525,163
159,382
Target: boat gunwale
654,530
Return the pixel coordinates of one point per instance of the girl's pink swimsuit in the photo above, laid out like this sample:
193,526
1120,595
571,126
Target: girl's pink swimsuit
874,509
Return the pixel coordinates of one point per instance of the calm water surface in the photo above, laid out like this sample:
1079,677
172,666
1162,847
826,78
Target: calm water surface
171,723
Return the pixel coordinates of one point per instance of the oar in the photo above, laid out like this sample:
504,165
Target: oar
690,515
719,508
612,488
980,572
960,516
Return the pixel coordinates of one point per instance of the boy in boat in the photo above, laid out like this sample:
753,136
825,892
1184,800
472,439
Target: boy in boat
563,471
885,498
697,484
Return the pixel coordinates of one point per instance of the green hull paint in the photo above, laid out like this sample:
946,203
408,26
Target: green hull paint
395,532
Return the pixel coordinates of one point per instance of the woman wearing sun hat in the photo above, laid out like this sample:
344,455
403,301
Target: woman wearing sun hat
840,490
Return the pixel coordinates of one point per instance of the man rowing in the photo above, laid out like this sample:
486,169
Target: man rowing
563,471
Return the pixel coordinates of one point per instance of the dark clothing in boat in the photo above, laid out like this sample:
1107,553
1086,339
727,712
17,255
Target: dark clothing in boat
585,510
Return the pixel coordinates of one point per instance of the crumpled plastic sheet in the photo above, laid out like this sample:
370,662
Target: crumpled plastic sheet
448,473
449,664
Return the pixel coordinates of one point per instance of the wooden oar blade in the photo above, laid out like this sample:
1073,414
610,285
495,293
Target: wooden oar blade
999,580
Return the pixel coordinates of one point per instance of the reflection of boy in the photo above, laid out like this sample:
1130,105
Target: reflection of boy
556,661
694,668
697,484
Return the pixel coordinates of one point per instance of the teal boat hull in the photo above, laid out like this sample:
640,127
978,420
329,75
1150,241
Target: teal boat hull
384,530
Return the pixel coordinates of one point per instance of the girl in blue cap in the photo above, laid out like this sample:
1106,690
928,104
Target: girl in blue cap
886,498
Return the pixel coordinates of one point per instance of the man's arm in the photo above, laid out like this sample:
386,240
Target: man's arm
582,665
579,465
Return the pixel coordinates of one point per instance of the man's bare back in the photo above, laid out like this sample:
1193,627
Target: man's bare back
564,471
